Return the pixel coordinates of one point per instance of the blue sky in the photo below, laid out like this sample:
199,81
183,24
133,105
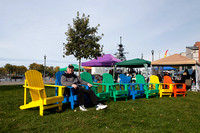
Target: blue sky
30,29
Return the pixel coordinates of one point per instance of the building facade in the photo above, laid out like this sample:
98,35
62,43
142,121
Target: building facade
193,52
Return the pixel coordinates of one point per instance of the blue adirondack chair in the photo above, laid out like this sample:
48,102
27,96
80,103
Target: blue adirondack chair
133,87
72,98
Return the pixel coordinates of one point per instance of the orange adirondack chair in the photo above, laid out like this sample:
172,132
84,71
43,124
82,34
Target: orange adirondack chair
176,90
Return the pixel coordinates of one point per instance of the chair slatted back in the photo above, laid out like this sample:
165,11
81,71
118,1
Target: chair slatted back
123,78
140,79
107,78
154,79
85,76
58,77
34,79
167,79
128,79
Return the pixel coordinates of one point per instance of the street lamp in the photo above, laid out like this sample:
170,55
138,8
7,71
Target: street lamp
152,51
44,64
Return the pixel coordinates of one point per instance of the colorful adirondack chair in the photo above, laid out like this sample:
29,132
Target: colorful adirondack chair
150,89
164,88
135,89
72,98
34,82
111,87
102,95
178,88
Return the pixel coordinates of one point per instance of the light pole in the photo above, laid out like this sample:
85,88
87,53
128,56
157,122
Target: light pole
44,64
152,51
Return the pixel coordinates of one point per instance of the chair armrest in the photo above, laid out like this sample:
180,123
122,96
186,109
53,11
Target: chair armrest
34,88
178,83
55,85
103,84
152,84
165,84
95,85
86,86
121,84
139,83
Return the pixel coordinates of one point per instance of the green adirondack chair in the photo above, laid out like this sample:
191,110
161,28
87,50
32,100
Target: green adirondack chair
111,87
102,95
151,89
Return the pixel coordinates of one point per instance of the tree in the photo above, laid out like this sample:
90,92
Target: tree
2,72
50,71
21,70
35,66
9,69
13,70
82,41
56,69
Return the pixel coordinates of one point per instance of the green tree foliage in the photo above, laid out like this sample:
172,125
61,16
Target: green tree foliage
49,71
9,69
12,70
56,69
2,72
82,41
35,66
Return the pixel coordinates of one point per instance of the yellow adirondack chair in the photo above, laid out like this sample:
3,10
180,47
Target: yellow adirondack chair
164,88
34,82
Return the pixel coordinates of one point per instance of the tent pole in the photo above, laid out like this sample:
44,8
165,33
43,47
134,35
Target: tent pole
197,76
113,72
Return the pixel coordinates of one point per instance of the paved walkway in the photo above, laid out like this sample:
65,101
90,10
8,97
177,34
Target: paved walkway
21,82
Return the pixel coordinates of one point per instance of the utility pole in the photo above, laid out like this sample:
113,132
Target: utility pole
152,51
44,65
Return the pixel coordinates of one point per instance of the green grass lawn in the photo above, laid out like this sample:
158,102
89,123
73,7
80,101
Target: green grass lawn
181,114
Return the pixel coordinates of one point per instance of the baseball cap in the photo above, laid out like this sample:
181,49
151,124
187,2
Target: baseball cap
70,66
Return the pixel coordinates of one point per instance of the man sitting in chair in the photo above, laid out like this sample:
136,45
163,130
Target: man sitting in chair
70,79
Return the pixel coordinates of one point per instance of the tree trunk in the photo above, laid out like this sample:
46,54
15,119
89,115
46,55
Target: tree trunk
79,67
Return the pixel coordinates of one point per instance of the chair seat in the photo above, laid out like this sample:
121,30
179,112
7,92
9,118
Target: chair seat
139,91
180,90
166,93
51,100
153,91
121,92
167,90
103,94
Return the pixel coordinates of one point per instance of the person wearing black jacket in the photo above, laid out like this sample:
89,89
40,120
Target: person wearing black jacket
70,79
185,76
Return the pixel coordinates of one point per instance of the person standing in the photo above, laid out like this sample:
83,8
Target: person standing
70,79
